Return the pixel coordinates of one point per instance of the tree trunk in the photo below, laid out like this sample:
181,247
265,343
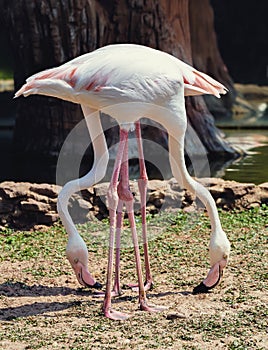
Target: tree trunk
49,32
44,34
206,55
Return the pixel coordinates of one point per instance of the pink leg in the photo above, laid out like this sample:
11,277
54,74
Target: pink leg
126,195
142,183
117,289
122,190
142,294
113,204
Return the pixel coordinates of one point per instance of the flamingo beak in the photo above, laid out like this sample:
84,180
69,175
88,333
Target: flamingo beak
84,277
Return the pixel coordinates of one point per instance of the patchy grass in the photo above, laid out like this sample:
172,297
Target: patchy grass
42,306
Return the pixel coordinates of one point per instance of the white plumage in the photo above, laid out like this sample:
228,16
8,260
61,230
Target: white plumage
129,82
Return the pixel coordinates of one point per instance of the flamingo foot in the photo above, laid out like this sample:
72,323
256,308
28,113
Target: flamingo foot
148,285
144,306
213,278
116,315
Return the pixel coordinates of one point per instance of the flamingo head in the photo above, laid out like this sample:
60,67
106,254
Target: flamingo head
77,255
219,249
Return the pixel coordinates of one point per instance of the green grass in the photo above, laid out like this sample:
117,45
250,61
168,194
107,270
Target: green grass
245,228
234,316
25,245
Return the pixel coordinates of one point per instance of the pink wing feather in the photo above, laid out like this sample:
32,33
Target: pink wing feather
203,84
85,73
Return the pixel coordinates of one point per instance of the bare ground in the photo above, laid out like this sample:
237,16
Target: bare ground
42,306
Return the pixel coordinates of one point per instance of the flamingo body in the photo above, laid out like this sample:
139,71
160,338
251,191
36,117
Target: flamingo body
119,74
129,82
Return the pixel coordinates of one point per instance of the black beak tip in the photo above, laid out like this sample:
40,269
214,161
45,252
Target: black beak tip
97,285
201,289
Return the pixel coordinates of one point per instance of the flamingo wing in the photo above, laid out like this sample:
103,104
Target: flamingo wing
121,73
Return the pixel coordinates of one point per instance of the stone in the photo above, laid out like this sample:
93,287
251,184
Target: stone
47,190
158,185
11,190
6,208
101,189
264,186
83,204
26,205
33,205
43,199
49,218
263,193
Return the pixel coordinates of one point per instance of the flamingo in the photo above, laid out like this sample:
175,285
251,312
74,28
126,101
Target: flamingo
128,82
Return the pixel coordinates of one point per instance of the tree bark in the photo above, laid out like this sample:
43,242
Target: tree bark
206,56
44,34
49,32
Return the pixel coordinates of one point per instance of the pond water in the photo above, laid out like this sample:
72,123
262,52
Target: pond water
253,167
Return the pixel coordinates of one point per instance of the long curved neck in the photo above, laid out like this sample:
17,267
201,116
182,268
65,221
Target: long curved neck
175,121
96,173
181,174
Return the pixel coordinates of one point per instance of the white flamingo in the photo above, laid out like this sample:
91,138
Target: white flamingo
128,82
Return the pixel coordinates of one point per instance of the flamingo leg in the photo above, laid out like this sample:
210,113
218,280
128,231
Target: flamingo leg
119,220
122,190
142,184
142,293
116,291
126,195
113,201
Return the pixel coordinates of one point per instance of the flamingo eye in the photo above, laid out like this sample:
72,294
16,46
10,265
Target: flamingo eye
75,260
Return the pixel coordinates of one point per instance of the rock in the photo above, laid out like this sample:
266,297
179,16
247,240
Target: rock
6,85
253,92
101,189
46,190
26,205
264,186
47,218
6,208
12,190
264,193
157,185
33,205
23,204
241,107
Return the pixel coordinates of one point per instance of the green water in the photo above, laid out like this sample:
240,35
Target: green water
254,166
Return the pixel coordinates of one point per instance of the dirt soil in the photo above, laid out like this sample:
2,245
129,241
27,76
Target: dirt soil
42,306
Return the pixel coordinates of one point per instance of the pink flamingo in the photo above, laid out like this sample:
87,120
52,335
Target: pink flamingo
128,82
